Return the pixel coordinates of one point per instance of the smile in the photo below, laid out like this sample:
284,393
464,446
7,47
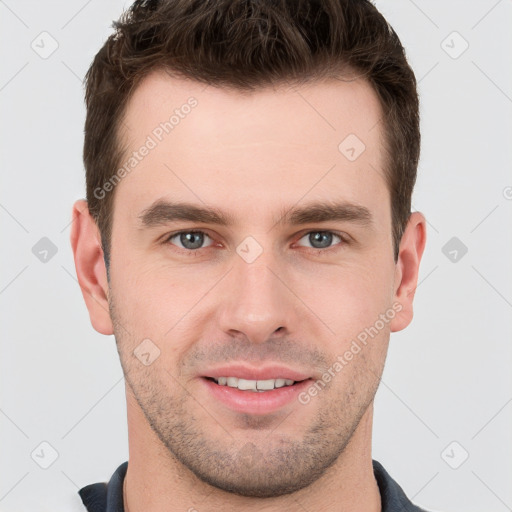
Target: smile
253,385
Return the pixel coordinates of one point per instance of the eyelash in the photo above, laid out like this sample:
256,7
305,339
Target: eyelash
193,252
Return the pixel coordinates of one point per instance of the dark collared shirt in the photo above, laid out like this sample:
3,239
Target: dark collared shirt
103,497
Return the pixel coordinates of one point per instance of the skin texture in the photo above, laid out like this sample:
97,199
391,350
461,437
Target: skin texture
253,156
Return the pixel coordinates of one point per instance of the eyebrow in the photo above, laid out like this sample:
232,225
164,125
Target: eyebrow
325,212
163,212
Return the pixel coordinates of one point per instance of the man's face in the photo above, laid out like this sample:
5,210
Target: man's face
262,293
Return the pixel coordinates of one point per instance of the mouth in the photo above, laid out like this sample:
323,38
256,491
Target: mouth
260,386
254,396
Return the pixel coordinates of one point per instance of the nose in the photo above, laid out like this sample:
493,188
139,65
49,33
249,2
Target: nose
257,304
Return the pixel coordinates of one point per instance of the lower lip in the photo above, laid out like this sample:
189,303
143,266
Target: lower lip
255,402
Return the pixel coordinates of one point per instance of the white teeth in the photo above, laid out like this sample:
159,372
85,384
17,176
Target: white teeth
265,384
232,382
247,384
253,385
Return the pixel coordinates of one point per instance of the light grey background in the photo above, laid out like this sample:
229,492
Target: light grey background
448,375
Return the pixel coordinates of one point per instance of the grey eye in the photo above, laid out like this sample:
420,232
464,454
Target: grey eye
191,240
321,239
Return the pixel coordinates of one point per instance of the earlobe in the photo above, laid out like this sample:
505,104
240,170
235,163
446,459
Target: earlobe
90,266
412,246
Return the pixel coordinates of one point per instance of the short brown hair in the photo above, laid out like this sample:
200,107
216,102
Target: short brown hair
245,45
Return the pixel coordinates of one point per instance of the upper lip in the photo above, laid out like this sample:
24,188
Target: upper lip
248,373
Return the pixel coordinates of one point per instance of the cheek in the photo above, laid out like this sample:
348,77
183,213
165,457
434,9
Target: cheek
350,300
154,297
347,294
163,301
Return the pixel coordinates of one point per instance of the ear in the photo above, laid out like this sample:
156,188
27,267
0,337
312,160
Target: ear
90,266
407,269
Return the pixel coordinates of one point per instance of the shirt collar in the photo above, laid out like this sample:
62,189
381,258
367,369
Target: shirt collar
103,497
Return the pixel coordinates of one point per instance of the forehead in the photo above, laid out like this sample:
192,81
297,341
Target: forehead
245,150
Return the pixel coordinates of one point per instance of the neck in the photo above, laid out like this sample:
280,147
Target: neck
155,481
